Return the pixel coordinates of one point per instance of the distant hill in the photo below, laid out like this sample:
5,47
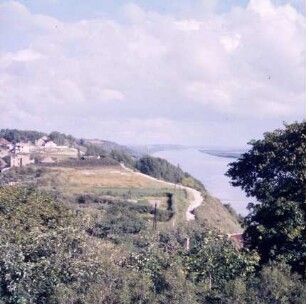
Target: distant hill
150,149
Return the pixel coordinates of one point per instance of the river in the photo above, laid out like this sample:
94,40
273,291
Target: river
209,169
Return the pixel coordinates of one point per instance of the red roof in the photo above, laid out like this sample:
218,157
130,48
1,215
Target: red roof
4,142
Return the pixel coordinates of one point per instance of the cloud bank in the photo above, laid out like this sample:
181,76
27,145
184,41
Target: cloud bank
217,79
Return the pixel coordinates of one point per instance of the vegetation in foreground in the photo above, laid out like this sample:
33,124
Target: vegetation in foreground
55,253
48,255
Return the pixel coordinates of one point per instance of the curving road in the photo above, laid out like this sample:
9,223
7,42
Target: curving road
197,196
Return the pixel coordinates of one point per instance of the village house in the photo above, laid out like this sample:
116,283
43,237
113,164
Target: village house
22,148
21,160
50,144
45,142
5,147
41,142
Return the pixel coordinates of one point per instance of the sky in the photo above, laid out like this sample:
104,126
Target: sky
199,72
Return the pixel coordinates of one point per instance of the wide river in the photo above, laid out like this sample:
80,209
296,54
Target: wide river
210,171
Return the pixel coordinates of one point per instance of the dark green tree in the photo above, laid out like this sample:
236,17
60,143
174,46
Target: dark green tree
122,157
14,135
62,139
274,172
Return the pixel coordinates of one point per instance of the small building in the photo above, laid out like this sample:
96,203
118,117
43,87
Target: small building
45,142
50,144
22,148
21,160
42,141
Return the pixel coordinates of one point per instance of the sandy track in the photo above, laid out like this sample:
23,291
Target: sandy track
197,196
196,202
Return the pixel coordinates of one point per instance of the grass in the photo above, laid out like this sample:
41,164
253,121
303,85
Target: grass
119,185
114,184
103,177
214,215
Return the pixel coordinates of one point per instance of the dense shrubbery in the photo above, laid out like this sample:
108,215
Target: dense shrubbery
39,246
62,139
162,169
121,219
122,157
46,257
94,150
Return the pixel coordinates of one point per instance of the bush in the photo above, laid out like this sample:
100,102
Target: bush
159,168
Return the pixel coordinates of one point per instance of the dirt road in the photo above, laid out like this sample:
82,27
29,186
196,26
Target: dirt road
197,196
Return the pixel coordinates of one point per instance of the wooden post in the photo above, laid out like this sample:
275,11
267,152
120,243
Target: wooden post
187,243
155,217
210,283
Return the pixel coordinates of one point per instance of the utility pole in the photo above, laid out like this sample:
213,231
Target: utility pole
155,217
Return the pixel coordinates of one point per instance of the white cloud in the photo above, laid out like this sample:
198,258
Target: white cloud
188,25
230,42
159,76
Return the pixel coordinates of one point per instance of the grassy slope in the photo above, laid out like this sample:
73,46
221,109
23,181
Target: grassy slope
110,182
118,183
213,214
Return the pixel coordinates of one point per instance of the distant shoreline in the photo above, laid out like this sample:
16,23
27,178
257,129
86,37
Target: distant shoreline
224,154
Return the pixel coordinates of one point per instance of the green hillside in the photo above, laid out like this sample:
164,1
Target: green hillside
92,230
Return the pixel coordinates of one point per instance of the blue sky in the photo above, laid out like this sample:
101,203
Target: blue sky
214,73
79,9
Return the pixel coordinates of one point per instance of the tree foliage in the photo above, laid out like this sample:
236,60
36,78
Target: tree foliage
215,260
275,283
14,135
45,256
62,139
162,169
159,168
122,157
275,167
274,172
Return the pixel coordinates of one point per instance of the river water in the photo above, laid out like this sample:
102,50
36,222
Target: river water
210,170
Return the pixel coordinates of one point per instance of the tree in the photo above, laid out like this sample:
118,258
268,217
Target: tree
275,283
62,139
15,136
274,172
214,260
46,257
